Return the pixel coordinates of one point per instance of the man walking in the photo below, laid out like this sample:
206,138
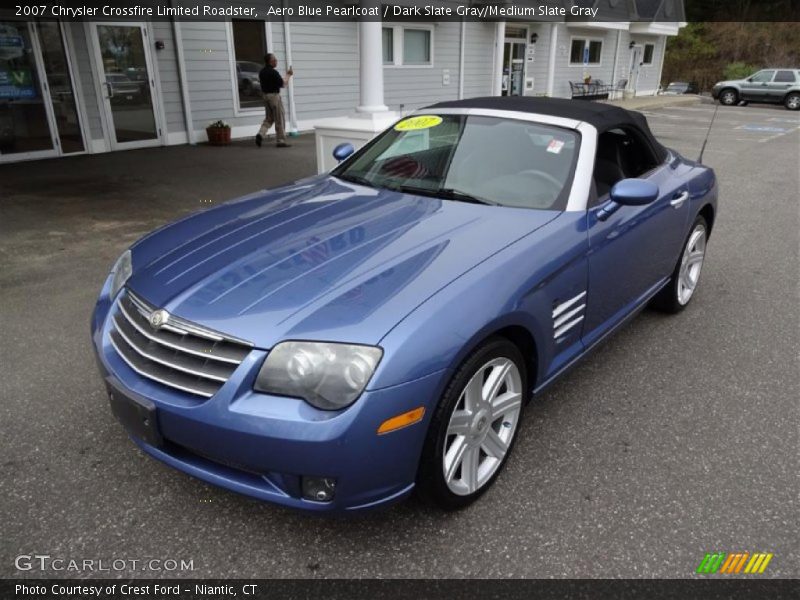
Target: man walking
271,84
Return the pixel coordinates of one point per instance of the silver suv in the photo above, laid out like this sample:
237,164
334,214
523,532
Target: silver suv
775,86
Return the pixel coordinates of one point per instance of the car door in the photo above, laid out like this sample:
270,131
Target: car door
780,84
632,251
754,89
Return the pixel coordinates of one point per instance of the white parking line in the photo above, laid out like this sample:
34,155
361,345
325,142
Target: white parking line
777,135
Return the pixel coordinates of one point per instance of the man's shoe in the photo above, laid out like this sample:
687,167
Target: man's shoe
258,140
283,145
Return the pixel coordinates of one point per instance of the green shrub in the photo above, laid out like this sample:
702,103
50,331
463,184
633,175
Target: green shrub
738,70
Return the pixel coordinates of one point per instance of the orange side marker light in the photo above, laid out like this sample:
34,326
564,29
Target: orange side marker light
403,420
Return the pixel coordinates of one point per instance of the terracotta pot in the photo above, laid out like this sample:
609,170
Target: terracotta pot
219,136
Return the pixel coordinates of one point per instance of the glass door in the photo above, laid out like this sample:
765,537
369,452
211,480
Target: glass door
513,68
25,112
61,88
123,56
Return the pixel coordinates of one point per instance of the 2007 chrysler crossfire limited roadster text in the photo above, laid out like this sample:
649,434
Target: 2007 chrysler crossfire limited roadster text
334,343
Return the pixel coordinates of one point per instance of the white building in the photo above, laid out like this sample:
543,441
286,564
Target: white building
78,87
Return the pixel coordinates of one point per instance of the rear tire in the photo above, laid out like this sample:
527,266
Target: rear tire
680,290
729,97
474,427
792,101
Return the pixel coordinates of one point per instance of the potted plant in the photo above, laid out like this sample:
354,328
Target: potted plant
219,133
587,78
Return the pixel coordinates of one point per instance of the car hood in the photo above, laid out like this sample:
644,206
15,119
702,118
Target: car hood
321,259
729,82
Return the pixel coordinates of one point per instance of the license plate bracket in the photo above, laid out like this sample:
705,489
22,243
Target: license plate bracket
138,416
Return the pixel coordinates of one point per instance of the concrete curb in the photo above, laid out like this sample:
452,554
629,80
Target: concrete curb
653,102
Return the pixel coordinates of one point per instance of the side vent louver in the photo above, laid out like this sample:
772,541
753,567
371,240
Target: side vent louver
567,315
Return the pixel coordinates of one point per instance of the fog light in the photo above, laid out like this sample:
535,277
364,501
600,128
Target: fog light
319,489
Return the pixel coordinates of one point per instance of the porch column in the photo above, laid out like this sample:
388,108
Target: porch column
499,47
551,60
370,65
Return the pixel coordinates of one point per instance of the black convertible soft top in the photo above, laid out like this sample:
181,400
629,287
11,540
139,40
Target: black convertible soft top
602,116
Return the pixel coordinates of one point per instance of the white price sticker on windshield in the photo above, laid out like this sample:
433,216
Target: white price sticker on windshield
555,146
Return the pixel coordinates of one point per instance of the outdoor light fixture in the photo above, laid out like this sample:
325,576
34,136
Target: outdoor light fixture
631,45
534,37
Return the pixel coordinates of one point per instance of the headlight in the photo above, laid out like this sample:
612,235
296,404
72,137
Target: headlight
122,271
326,375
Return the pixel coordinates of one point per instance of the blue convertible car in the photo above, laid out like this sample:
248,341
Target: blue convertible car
335,343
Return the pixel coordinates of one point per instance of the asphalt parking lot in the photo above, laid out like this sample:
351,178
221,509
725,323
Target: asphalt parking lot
677,437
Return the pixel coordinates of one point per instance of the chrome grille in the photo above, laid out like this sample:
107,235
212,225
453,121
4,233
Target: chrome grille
177,353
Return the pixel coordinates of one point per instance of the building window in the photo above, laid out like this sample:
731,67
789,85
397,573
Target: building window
249,49
410,46
416,47
583,51
647,57
388,46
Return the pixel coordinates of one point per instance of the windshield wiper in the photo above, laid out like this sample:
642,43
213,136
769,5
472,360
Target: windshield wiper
356,179
445,193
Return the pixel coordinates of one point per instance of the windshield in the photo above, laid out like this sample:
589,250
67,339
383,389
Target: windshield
478,159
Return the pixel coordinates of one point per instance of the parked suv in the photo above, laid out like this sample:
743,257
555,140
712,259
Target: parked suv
775,86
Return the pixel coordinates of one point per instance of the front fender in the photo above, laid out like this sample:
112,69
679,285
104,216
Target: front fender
518,286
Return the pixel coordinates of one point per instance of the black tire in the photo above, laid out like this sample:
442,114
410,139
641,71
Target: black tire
431,483
667,300
792,101
729,97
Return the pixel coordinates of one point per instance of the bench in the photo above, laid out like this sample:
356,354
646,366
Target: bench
594,90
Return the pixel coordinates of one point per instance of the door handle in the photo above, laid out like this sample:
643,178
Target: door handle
110,90
678,199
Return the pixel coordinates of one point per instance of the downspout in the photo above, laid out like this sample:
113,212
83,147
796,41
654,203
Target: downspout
287,42
462,44
184,82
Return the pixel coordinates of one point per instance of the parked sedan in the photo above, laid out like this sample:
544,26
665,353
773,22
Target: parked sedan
677,88
123,89
772,86
335,343
247,76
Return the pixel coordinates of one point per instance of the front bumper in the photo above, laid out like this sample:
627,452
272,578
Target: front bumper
715,92
260,445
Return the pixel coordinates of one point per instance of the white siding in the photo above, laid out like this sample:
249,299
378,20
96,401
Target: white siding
478,59
167,65
414,86
538,67
325,57
564,72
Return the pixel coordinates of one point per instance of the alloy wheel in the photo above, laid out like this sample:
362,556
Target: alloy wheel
482,426
728,97
691,263
793,102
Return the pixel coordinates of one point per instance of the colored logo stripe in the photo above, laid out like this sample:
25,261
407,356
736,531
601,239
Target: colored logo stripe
734,563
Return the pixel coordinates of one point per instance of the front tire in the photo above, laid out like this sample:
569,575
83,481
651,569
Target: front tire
474,427
792,101
677,294
729,97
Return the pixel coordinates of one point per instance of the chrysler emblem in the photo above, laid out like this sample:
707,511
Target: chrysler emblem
158,318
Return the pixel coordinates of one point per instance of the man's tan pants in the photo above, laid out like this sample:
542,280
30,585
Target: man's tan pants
273,106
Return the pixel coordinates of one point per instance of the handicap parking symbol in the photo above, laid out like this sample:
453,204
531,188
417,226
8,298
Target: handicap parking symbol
763,128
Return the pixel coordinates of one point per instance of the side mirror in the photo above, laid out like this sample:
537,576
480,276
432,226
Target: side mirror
634,192
342,151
